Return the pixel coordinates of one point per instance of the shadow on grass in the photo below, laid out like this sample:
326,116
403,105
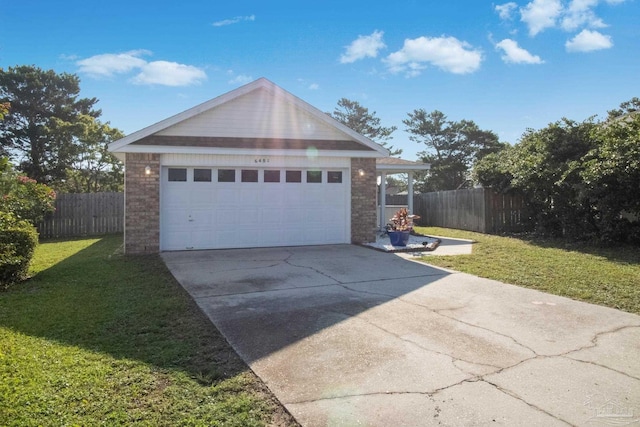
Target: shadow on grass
619,253
130,308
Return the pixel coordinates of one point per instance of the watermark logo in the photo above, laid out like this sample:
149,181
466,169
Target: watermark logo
610,412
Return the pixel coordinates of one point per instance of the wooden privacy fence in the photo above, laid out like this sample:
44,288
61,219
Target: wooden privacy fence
475,209
85,214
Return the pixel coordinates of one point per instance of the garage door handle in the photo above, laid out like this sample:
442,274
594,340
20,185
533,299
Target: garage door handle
190,219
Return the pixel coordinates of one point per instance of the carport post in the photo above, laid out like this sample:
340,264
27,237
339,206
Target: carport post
410,193
383,199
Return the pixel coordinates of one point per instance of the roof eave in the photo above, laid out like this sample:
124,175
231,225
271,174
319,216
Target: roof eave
403,168
262,82
242,151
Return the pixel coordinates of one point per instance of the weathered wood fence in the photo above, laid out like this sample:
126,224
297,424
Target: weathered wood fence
85,214
476,209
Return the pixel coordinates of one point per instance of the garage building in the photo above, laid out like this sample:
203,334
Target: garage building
255,167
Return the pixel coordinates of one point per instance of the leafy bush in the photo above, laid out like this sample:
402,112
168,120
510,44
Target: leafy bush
24,197
18,240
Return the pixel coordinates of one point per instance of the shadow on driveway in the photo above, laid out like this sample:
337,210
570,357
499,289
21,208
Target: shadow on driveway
271,298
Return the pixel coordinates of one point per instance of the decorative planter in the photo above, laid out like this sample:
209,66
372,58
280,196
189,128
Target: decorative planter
399,238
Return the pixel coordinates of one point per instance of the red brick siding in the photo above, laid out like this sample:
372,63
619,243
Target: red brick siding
363,200
142,204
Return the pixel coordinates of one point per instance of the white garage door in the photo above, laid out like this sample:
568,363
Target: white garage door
211,208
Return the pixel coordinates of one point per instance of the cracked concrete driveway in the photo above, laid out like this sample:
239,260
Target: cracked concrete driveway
345,335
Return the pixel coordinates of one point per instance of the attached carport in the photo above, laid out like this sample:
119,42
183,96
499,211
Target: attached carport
389,166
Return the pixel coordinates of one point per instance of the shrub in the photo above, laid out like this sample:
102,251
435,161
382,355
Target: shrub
18,240
24,197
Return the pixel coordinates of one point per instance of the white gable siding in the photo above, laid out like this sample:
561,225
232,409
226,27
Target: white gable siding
258,114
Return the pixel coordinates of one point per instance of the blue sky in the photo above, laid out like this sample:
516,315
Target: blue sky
508,66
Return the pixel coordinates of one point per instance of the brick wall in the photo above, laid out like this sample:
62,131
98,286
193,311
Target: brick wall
142,204
363,200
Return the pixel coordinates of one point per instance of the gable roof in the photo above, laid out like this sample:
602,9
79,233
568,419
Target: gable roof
161,136
395,165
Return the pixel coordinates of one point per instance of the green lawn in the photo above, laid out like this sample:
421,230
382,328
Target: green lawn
96,338
605,276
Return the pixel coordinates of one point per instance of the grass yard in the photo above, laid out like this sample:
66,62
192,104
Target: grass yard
94,338
604,276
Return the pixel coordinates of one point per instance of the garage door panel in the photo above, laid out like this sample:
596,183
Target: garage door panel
272,237
334,234
202,238
312,234
178,197
225,216
209,215
293,216
201,196
332,216
273,194
226,237
248,217
226,195
250,196
293,194
314,215
272,217
200,218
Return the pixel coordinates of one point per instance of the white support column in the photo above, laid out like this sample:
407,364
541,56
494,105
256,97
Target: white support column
410,191
383,199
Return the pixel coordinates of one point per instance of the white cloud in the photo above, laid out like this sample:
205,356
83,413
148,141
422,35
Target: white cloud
240,79
587,41
314,86
447,53
541,14
579,13
505,10
515,54
169,74
156,72
362,47
235,20
108,64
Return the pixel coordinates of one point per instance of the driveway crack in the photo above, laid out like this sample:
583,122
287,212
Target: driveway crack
453,359
594,344
531,405
515,341
322,273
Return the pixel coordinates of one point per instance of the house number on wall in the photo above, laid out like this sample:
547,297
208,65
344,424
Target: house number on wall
263,160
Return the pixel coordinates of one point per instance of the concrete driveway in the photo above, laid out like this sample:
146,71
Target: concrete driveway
344,335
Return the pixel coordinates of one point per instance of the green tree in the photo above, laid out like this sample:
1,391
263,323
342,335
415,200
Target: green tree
93,167
35,131
581,180
543,167
611,174
356,117
452,148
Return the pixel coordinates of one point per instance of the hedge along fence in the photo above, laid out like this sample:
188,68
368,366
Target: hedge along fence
84,214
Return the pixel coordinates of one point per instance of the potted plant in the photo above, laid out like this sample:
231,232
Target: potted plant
400,227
